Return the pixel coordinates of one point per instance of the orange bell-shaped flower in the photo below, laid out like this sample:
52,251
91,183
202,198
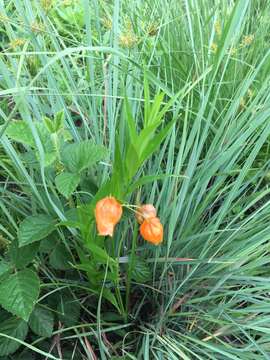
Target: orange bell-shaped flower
108,213
144,212
152,230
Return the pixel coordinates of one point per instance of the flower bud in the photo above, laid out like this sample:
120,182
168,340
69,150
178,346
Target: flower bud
108,213
144,212
152,230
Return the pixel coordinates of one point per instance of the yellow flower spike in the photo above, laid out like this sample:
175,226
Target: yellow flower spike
213,47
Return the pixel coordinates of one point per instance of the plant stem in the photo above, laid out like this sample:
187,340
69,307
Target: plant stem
131,267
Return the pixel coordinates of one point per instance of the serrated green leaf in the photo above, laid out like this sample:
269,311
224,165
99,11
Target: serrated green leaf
41,322
66,183
48,244
141,271
19,131
15,328
60,258
29,158
72,215
35,228
19,293
79,156
49,158
71,224
4,267
21,257
68,310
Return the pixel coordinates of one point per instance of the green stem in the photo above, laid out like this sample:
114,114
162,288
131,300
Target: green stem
55,142
131,264
117,290
118,293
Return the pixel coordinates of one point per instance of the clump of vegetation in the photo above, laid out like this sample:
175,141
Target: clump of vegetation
134,167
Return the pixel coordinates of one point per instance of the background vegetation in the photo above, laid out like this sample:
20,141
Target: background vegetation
163,102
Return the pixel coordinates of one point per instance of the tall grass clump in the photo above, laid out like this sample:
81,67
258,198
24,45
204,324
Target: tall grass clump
163,102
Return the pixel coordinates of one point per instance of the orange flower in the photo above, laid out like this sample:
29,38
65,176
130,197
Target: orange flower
146,211
152,230
108,213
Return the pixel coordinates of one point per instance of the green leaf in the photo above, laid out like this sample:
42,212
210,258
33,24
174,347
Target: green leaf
41,322
147,103
70,224
132,161
19,293
66,135
15,328
48,244
154,116
49,124
49,157
156,141
108,295
119,177
4,267
19,131
141,271
72,215
35,228
68,310
100,254
145,180
45,137
79,156
53,126
60,258
25,355
66,183
131,123
22,256
59,120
